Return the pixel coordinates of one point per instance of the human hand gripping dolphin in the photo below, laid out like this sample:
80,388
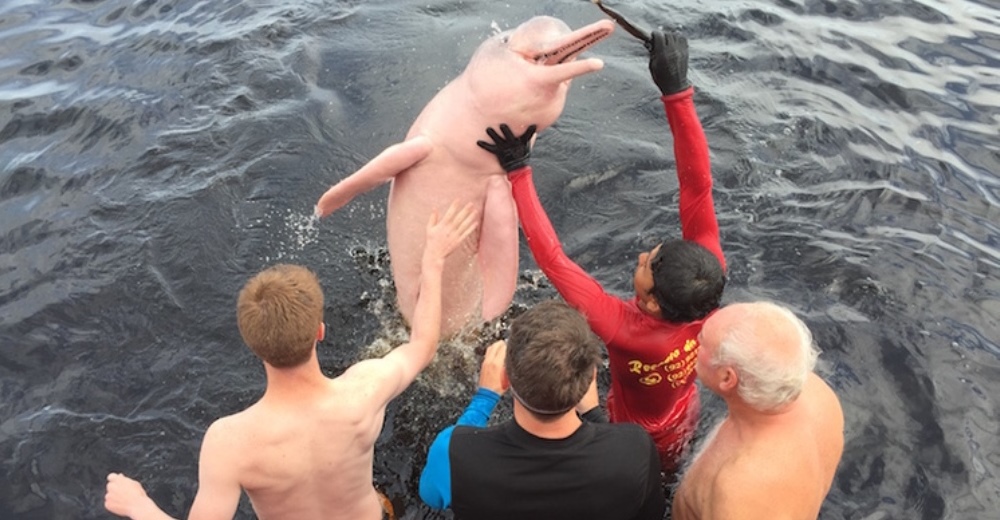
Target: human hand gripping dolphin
512,151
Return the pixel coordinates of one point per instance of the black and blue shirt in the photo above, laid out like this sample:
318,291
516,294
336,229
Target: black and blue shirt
602,471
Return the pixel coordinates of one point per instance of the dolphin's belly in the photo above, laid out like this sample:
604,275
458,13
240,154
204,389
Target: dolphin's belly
414,195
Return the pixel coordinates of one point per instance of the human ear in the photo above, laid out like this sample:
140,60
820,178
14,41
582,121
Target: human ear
730,379
321,332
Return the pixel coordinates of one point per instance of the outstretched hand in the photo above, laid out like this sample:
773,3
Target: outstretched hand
445,233
668,62
512,151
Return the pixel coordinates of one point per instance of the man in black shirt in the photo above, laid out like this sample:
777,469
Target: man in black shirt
549,462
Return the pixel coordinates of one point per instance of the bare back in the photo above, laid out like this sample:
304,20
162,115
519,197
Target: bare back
780,469
309,458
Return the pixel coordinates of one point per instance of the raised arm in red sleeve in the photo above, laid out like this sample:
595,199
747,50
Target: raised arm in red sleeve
694,173
580,290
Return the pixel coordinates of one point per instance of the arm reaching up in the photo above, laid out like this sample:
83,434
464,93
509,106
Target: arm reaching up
668,65
435,479
444,235
604,312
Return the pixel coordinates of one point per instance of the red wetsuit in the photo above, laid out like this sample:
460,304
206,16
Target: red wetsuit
651,360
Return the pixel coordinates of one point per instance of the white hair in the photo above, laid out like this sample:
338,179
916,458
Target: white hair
768,379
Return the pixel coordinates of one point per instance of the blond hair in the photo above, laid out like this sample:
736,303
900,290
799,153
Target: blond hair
279,312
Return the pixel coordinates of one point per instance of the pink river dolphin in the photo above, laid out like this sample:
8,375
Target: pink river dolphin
519,77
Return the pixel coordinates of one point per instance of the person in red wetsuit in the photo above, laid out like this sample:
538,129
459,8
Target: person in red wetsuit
651,338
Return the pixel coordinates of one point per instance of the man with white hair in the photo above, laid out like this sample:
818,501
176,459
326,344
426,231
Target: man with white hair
775,454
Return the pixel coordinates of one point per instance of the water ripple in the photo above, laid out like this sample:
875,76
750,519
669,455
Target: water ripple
155,153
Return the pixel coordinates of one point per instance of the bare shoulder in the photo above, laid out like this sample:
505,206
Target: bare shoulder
726,490
236,429
825,397
793,467
228,431
685,506
369,383
224,446
825,413
736,492
369,371
365,373
828,419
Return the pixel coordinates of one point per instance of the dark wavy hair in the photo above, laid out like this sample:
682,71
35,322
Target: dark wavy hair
687,281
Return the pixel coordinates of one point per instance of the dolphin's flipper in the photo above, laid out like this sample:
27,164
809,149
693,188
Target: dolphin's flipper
382,168
498,248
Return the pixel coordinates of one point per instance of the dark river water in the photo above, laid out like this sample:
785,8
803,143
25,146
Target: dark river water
154,154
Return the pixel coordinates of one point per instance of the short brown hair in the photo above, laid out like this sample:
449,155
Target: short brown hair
551,356
279,312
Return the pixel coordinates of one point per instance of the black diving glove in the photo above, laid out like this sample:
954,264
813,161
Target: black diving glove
668,62
512,151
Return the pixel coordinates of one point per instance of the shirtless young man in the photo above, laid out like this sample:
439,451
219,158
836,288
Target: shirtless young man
305,449
774,456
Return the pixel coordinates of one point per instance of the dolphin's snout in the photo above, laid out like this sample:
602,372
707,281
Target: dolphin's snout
570,46
585,44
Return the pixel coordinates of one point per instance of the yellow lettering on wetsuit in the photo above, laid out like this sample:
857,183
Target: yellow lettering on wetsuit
673,369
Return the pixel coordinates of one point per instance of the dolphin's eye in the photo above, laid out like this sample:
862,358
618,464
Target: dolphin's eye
505,38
